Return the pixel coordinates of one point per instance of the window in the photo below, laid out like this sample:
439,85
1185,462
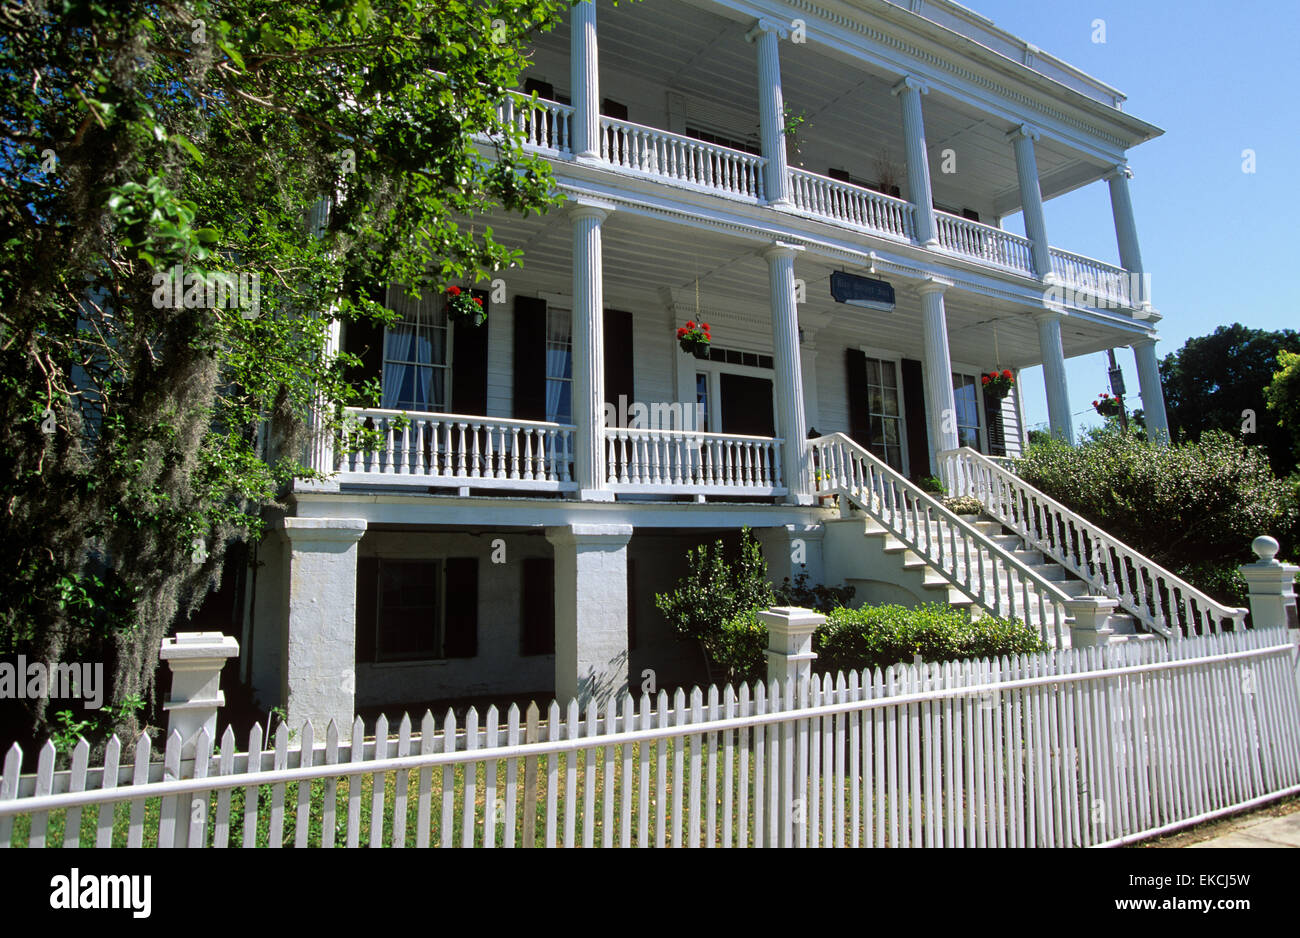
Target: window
545,90
559,365
408,616
734,143
966,398
702,400
417,367
884,408
537,614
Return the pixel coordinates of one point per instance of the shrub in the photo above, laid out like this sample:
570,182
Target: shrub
964,505
1193,507
714,592
878,636
932,485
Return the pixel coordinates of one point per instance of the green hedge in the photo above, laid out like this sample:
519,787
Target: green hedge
878,636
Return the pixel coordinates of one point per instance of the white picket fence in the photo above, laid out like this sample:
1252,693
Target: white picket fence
1082,747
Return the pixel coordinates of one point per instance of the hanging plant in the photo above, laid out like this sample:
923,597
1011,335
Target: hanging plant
1107,406
464,307
998,384
695,338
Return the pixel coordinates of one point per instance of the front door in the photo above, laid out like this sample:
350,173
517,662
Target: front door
746,405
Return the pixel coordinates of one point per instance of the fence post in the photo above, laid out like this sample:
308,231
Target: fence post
1090,620
196,660
789,644
1272,587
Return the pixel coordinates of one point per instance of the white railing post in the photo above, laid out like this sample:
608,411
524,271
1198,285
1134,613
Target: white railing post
1272,587
1090,620
789,644
195,660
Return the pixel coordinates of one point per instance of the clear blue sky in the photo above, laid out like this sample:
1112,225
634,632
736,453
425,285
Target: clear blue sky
1221,245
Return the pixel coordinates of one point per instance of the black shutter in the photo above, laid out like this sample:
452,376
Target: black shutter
618,357
855,365
469,366
460,636
537,601
993,424
611,108
918,430
544,89
365,339
367,608
530,358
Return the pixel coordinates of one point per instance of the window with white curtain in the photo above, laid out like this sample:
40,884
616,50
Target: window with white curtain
417,366
559,365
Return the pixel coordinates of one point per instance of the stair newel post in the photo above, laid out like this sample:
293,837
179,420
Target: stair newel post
1089,620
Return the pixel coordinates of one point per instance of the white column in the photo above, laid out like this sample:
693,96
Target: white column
1130,254
1058,395
909,92
589,351
791,424
1031,197
591,653
941,409
767,36
320,599
584,79
1153,394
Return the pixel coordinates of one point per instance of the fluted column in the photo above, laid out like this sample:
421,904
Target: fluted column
584,75
1153,394
793,425
1130,254
767,36
1031,197
1058,395
588,350
909,92
941,408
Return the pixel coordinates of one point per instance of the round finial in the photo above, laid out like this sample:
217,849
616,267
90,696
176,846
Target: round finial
1265,548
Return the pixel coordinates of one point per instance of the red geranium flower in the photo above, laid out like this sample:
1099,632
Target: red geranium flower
454,290
1006,373
478,300
985,380
690,324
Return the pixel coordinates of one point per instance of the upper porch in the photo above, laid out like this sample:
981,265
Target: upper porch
820,124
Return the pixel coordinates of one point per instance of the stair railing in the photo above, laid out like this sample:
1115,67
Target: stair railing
962,554
1159,600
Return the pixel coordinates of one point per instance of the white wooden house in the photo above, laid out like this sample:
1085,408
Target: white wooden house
510,539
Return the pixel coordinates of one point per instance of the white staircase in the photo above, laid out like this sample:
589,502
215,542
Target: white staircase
1040,527
961,559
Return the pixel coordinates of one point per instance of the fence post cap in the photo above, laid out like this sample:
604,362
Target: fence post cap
791,619
1265,548
198,645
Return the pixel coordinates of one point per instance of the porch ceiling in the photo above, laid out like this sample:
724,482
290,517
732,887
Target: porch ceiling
649,263
852,121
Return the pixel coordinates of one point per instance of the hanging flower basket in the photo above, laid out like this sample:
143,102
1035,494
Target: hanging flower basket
464,307
1107,406
695,338
998,384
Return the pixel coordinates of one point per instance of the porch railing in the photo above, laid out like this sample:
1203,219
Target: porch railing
685,159
545,126
686,462
985,243
1161,601
851,205
1110,285
455,450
